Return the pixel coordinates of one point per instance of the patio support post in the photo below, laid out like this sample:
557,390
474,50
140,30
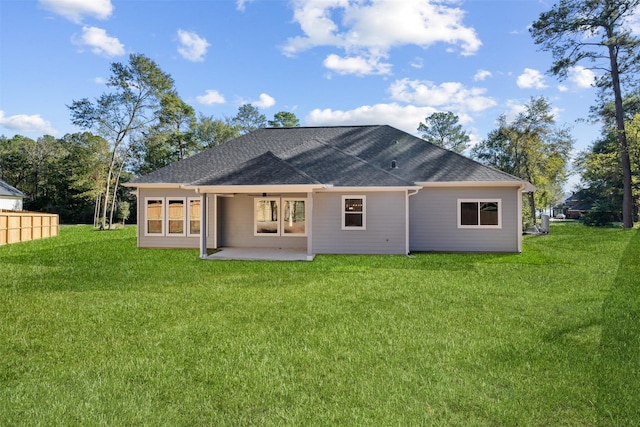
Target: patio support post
309,220
203,226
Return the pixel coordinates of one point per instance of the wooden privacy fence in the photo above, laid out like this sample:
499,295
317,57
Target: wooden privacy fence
23,226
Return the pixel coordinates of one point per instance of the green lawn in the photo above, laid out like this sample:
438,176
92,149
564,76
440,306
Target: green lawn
94,331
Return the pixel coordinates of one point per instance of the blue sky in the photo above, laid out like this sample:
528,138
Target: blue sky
331,62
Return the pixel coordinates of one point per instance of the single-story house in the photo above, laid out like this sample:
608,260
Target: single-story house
10,197
330,190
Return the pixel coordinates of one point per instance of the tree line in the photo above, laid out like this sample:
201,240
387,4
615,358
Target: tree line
139,125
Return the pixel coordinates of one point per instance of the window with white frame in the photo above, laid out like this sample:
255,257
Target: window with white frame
479,213
194,205
172,216
274,216
354,213
266,219
176,215
294,217
154,211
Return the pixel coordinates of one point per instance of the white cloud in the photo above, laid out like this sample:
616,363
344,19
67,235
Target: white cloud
406,117
24,123
451,96
100,80
265,101
633,22
241,4
211,97
582,77
74,10
417,63
531,78
192,46
369,29
356,65
481,75
99,42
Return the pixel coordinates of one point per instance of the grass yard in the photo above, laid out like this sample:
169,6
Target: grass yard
94,331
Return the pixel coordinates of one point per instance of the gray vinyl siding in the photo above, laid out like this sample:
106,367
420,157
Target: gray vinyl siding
433,218
235,225
162,241
385,228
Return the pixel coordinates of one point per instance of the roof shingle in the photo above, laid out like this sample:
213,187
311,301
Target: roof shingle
341,156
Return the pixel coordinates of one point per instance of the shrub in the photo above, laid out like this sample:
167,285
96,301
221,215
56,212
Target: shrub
600,215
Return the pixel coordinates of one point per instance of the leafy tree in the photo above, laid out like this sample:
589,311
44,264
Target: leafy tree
178,121
284,119
14,164
124,210
122,115
595,32
151,151
211,132
84,170
600,169
531,147
443,129
172,139
249,119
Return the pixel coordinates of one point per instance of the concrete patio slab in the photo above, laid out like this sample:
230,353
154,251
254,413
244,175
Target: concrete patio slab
261,254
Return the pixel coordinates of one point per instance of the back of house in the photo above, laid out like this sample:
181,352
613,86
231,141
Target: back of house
330,190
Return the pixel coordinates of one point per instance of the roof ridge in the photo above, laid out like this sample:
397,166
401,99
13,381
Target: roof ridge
320,127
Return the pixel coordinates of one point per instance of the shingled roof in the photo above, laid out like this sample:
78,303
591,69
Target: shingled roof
339,156
7,190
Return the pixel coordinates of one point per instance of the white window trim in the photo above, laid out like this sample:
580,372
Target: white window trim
146,217
479,226
255,216
343,212
188,216
282,203
167,219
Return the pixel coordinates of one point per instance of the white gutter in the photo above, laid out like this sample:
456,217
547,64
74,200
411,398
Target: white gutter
332,189
496,184
152,185
253,188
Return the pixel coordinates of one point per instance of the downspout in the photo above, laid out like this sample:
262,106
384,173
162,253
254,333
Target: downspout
519,230
309,220
203,225
406,222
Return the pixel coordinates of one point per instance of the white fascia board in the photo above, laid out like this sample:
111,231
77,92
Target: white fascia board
367,189
152,185
450,184
221,189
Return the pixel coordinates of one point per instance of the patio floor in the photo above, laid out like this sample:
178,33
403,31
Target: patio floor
261,254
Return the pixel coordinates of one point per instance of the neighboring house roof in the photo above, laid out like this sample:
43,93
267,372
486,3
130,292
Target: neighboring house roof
7,190
586,206
358,156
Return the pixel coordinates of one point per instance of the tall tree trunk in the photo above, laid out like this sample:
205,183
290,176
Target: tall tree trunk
627,197
107,189
96,210
115,193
